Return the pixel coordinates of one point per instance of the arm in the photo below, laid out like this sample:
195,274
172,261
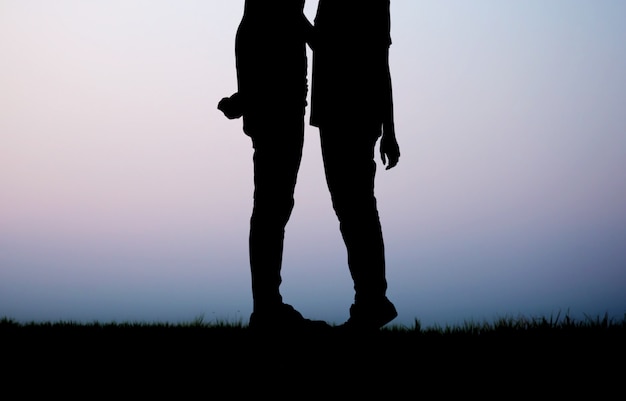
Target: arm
309,35
389,148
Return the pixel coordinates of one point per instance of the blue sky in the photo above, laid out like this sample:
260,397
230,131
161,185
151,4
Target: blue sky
127,195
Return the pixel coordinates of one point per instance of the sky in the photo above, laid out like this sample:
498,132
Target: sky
126,195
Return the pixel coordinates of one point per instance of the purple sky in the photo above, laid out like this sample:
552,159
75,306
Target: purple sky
126,195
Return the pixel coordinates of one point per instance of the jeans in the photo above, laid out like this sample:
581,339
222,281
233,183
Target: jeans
348,154
277,156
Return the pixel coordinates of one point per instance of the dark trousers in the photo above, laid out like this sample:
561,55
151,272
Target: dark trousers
277,155
348,154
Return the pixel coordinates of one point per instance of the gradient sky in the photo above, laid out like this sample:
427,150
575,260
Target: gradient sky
126,194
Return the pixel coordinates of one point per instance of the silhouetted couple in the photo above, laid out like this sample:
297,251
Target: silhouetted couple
352,105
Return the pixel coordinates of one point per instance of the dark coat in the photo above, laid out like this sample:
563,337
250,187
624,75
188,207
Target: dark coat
350,81
271,61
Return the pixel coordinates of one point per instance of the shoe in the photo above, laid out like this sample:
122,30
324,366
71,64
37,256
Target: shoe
369,317
284,318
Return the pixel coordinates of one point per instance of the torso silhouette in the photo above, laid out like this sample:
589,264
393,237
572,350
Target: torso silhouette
350,61
271,60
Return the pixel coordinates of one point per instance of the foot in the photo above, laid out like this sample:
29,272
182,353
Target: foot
369,317
284,318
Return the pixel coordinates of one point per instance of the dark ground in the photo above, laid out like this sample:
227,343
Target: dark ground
232,362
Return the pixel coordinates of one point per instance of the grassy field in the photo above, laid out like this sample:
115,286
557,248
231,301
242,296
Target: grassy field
566,355
505,327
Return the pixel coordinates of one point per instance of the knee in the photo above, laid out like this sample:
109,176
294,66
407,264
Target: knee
272,211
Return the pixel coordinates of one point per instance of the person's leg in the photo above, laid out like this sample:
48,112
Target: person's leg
348,155
277,156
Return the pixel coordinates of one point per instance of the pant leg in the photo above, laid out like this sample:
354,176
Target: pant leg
277,157
348,155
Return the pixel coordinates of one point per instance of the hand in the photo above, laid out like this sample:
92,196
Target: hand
232,107
389,149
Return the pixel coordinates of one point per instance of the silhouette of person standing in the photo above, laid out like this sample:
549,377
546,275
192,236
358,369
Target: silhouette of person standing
352,105
271,61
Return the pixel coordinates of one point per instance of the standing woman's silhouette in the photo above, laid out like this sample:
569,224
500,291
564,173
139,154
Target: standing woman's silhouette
352,104
271,64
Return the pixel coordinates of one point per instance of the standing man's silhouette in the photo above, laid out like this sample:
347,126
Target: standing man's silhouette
271,61
352,104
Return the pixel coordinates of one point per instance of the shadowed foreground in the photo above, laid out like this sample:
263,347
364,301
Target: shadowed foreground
512,352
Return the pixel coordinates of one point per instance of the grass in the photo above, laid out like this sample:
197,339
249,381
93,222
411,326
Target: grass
554,331
500,327
544,355
503,326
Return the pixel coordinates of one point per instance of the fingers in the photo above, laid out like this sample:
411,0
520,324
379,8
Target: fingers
392,163
389,158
